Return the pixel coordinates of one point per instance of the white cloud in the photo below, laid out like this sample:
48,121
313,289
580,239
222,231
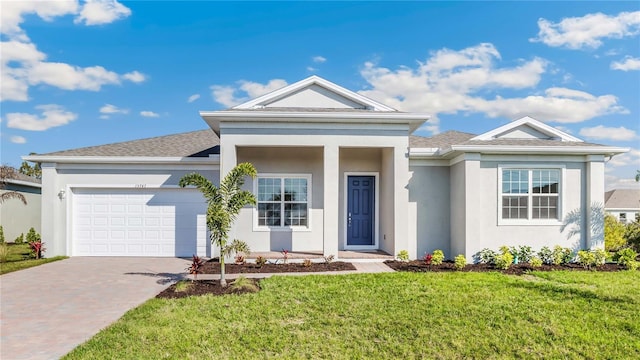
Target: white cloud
226,95
112,109
451,82
193,98
12,14
628,63
52,116
22,65
135,76
319,59
621,170
18,139
311,69
601,132
587,31
149,114
104,117
98,12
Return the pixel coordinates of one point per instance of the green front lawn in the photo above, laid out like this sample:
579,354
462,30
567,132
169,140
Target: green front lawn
569,315
19,258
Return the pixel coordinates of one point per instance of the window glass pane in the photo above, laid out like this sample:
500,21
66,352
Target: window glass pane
514,207
545,207
515,181
269,189
545,181
295,214
295,189
269,214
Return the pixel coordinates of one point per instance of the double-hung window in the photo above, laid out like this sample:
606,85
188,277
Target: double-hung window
283,201
530,194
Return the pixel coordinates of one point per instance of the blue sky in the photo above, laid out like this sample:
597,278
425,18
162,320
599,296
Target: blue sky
82,73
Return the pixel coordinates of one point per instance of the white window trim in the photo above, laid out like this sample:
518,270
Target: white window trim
307,228
376,204
532,222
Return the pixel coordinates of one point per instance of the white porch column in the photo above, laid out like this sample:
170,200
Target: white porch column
401,203
473,204
331,204
228,160
594,234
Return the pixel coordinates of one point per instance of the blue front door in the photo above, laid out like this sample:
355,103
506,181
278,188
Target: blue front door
360,210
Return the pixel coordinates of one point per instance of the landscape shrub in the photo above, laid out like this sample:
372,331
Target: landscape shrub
243,284
632,234
460,262
195,267
329,259
2,234
614,232
285,256
32,236
561,256
403,255
546,255
240,259
19,239
486,256
627,258
261,260
503,260
438,257
535,261
523,253
307,263
589,259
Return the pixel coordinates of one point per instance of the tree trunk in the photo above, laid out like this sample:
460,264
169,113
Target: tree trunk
223,281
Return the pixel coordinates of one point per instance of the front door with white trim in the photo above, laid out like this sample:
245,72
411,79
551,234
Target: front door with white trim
361,211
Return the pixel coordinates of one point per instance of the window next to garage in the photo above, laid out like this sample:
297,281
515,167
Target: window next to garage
283,201
529,196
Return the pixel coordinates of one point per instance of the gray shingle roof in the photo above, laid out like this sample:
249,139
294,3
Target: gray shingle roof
443,140
190,144
622,199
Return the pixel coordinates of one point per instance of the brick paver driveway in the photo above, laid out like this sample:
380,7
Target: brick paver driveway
48,310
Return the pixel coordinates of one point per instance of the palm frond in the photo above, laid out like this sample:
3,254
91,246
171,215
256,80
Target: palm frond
203,184
12,195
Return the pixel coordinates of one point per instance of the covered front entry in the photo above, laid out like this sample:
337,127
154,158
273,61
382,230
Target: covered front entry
361,222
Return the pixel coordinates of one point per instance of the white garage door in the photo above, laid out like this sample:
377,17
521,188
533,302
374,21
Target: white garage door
138,222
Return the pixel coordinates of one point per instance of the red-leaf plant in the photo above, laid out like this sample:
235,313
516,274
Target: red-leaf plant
427,258
37,248
195,266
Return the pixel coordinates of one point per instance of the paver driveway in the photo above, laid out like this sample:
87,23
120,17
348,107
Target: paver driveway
48,310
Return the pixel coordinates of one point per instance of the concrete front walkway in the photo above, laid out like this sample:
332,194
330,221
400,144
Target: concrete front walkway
48,310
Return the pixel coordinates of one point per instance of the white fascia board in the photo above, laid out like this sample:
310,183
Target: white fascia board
514,149
535,124
23,183
212,160
314,79
421,153
214,118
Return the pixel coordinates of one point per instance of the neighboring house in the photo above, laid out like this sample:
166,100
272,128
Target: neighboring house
15,217
336,171
624,204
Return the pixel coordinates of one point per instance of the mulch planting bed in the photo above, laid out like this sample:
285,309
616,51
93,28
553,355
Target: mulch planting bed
203,287
516,269
213,267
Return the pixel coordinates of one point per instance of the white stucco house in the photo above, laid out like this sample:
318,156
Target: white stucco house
337,171
624,204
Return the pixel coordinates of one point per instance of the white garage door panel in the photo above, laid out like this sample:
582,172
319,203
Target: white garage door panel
137,222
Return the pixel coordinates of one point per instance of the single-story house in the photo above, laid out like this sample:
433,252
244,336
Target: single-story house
624,204
15,217
336,171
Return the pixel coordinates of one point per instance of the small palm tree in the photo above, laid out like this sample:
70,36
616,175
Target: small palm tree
6,173
224,204
637,175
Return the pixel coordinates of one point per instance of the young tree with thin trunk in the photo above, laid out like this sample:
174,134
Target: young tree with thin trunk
224,204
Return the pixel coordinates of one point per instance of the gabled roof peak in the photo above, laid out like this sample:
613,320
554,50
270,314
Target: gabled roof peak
321,88
538,129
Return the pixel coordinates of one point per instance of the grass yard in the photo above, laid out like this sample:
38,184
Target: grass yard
569,315
18,258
